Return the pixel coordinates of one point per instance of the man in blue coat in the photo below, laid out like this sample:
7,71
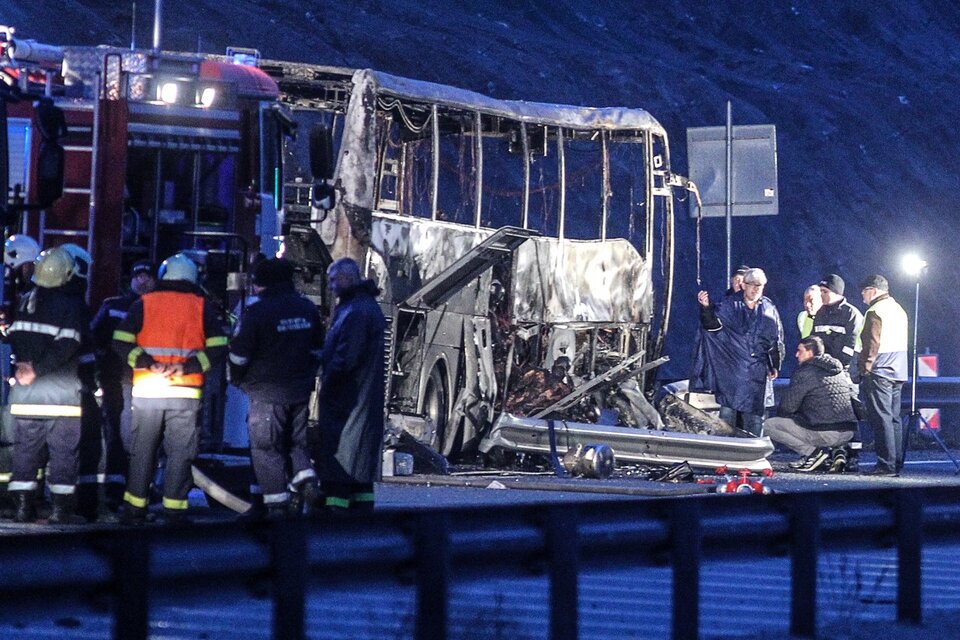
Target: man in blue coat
739,350
351,397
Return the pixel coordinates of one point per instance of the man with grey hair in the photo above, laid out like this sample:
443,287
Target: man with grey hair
351,396
740,347
882,370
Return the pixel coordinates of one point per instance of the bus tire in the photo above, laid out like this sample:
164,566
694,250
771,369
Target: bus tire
436,406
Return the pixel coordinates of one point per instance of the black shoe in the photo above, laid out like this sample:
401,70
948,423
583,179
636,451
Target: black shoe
64,510
880,471
814,461
174,517
838,460
133,516
26,510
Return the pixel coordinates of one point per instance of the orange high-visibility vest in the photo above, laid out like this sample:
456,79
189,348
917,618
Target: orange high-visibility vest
172,332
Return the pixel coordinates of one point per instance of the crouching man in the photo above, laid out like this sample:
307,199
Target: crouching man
815,417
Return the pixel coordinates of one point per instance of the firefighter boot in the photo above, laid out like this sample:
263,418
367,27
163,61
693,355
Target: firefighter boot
64,510
307,498
26,510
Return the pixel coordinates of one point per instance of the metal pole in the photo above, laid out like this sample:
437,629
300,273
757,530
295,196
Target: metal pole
729,200
916,321
157,23
133,26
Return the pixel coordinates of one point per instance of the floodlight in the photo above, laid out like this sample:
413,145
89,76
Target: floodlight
913,264
207,96
168,92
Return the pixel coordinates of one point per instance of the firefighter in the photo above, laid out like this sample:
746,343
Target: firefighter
274,357
114,378
45,401
170,337
91,476
19,253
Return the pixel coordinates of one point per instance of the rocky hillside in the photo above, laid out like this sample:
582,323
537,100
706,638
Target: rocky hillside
861,95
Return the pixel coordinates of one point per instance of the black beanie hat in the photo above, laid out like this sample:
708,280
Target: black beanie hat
876,281
272,272
834,283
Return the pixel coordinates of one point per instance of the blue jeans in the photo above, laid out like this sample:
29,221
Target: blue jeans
881,399
749,422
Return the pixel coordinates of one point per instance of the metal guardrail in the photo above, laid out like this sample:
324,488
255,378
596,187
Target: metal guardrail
433,547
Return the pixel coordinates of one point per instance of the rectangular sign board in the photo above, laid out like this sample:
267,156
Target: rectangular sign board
755,189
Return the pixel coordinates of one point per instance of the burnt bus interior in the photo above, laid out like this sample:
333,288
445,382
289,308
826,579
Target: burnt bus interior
453,176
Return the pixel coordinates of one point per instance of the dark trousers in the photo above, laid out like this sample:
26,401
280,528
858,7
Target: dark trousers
178,430
117,400
749,422
881,399
278,447
38,439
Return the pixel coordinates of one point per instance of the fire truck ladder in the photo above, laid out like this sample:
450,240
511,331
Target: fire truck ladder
498,247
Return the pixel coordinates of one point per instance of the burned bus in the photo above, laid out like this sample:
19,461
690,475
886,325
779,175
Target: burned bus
514,243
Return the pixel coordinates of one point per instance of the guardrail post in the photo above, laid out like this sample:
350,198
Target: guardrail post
289,576
804,551
131,578
909,523
686,551
561,543
432,549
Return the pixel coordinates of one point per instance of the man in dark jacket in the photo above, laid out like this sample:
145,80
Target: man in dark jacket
837,322
274,357
45,401
816,410
738,352
351,391
114,377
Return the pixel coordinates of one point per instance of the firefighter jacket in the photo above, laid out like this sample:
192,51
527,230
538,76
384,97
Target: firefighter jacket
884,339
735,350
47,333
275,351
77,288
352,389
172,325
112,311
820,396
838,325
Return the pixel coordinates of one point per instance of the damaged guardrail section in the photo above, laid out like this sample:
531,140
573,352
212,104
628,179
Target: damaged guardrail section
431,548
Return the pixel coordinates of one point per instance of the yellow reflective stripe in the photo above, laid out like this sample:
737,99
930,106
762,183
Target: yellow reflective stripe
216,341
5,477
362,497
155,391
139,503
169,351
125,336
170,503
52,410
133,355
343,503
203,359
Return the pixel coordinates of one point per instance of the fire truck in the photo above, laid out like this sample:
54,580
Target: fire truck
518,245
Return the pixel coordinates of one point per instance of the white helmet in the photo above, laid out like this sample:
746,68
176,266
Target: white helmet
179,267
81,260
20,249
53,268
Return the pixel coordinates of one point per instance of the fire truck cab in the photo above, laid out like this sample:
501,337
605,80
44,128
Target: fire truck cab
162,152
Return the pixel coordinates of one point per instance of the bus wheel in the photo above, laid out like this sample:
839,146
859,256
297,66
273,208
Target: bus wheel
436,406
